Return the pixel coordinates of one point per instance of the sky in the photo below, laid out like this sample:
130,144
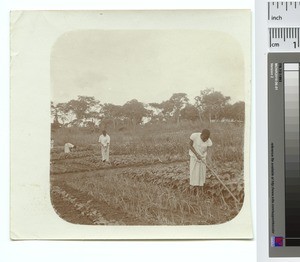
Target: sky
150,65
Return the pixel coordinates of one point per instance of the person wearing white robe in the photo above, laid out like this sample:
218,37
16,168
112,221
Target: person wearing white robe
104,141
68,147
199,143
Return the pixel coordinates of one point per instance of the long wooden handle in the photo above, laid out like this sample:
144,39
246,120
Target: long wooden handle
214,173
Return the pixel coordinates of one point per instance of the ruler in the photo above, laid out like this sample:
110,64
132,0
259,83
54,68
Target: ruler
287,12
284,26
284,127
284,38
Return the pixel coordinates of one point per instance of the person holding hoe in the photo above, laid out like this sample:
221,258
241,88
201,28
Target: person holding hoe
199,144
104,141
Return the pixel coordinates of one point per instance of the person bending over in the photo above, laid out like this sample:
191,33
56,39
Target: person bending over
199,144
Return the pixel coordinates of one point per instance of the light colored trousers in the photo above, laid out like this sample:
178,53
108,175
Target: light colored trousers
105,153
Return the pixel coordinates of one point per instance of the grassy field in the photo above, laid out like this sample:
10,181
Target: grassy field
147,182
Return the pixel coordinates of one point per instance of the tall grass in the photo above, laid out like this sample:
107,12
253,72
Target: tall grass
154,204
76,135
227,138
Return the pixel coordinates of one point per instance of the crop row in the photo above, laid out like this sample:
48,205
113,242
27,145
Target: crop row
177,176
81,207
174,175
74,154
217,152
94,162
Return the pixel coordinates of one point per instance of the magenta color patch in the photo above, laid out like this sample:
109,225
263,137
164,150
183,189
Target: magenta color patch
278,241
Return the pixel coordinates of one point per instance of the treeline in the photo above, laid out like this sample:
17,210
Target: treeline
86,111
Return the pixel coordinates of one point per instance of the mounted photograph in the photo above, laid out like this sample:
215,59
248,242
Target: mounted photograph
147,127
138,123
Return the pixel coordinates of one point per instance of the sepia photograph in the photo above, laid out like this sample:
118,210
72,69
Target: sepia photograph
147,127
138,124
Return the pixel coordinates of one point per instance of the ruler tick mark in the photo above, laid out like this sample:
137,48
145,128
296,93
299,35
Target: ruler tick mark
270,40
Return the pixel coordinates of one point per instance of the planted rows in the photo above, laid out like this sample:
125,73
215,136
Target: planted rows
177,177
93,162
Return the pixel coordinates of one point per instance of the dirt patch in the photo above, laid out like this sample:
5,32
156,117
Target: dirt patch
78,207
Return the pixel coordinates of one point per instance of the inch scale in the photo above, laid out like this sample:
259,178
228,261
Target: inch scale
284,127
284,26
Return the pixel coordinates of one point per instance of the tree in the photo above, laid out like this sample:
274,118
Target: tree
134,111
111,112
236,112
156,105
54,113
155,112
239,109
59,113
189,112
172,107
211,104
85,108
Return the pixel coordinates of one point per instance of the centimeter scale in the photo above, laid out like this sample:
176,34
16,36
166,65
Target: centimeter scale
284,140
284,26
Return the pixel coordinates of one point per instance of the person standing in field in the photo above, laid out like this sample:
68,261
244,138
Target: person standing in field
68,147
104,141
199,144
